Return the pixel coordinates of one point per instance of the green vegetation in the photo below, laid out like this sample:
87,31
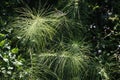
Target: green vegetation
59,40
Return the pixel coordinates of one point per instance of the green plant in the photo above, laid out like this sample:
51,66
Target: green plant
65,64
34,27
73,40
11,61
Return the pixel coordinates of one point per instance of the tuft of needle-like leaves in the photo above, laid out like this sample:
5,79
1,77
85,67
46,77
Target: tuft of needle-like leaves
35,26
65,64
72,7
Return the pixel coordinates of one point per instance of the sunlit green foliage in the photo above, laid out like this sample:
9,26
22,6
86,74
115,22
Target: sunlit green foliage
65,64
59,40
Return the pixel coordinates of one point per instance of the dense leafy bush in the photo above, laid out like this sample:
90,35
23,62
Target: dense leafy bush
11,62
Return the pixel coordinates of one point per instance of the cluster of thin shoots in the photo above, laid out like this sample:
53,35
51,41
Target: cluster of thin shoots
40,26
65,64
36,26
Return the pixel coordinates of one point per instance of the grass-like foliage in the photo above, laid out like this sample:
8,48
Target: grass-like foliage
79,46
65,64
72,7
35,26
41,72
57,45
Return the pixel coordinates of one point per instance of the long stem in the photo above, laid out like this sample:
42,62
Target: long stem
31,62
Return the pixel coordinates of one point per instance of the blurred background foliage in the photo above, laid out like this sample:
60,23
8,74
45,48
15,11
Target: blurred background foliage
95,22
